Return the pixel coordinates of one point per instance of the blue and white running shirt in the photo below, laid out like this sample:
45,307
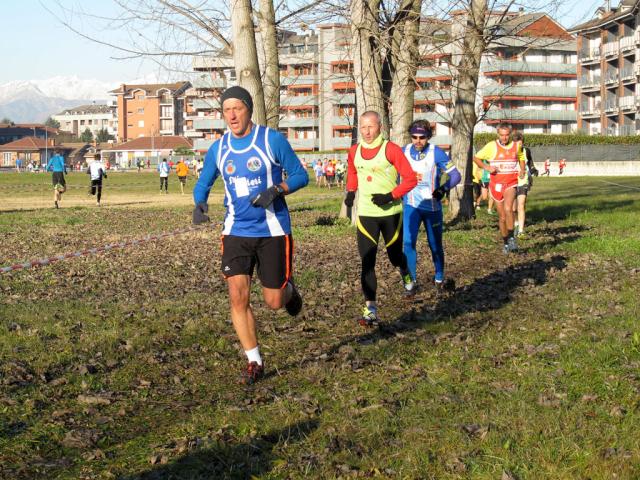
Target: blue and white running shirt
429,165
248,166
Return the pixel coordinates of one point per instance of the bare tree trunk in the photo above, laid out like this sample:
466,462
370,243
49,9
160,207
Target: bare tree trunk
464,115
404,52
367,60
271,78
245,56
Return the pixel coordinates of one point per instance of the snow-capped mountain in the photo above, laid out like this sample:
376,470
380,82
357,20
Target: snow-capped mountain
35,100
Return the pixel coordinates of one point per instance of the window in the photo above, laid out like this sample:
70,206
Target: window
140,97
141,123
6,159
141,111
81,122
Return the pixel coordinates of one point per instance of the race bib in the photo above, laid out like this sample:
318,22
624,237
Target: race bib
498,187
242,188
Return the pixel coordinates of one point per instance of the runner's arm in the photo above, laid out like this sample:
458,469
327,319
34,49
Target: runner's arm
208,176
352,173
408,177
446,165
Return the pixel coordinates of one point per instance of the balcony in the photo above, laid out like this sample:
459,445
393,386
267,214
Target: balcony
291,101
294,79
202,143
529,91
610,49
287,122
193,133
206,103
522,114
433,117
434,72
340,142
611,77
590,55
204,82
209,124
627,43
344,98
627,74
303,143
589,82
432,95
211,63
498,66
627,102
342,121
611,106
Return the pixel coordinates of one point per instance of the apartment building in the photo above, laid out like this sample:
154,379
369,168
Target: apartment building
608,66
93,117
528,78
150,110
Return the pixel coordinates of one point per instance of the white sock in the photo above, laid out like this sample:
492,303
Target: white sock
253,355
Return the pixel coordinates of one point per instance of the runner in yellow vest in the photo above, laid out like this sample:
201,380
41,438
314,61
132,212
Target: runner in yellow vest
506,162
373,167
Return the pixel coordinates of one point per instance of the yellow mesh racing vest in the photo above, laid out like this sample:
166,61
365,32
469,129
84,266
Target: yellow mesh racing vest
377,175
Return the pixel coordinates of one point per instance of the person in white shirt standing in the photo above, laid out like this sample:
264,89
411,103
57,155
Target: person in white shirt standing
97,172
164,169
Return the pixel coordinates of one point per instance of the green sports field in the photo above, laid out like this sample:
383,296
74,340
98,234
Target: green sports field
125,365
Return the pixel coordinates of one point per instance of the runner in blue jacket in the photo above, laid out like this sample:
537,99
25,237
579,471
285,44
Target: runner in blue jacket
251,160
57,166
422,205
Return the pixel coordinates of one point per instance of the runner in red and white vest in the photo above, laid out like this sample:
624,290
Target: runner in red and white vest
506,162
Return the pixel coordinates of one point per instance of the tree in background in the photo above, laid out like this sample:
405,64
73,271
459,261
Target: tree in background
183,151
52,123
385,60
103,136
7,120
86,136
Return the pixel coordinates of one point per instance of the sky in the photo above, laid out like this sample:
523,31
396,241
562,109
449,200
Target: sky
39,46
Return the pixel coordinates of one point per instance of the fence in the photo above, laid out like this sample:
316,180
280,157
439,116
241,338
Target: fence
586,153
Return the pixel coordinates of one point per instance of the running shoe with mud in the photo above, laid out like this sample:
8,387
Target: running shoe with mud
369,318
252,373
409,285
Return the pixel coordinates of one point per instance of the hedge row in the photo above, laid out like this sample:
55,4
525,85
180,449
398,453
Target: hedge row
537,139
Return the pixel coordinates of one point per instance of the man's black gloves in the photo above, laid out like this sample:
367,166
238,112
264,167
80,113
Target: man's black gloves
534,171
266,197
200,214
348,200
438,193
381,199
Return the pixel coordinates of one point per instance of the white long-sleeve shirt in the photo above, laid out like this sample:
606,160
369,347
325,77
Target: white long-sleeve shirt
97,170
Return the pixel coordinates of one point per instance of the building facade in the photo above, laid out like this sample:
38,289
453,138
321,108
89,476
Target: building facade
608,69
93,117
150,110
528,78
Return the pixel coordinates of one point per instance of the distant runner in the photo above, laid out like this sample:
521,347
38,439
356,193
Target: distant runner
59,169
97,172
506,163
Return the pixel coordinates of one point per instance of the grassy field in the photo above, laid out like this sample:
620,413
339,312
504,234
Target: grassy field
125,365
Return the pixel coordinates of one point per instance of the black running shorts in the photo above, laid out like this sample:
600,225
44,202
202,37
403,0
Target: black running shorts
183,180
58,178
272,255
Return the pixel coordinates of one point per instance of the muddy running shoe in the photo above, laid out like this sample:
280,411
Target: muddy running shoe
369,318
505,249
252,373
55,203
294,305
513,246
409,285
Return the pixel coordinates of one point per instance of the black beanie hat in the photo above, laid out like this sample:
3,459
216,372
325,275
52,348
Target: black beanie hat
240,94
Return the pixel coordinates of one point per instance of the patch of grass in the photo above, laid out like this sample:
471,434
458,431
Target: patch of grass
125,364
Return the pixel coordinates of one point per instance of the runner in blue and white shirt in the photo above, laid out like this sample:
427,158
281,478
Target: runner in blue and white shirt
251,159
422,204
